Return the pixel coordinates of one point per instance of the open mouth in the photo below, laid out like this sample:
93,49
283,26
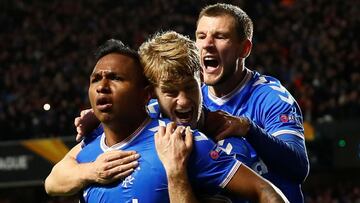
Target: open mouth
103,104
210,63
184,116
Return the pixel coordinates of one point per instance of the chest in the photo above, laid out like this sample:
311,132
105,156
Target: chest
147,183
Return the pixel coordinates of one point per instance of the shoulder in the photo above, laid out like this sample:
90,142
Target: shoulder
154,123
202,144
270,91
92,138
90,149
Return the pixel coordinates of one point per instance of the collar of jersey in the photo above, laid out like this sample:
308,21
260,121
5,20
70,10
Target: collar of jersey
222,100
127,140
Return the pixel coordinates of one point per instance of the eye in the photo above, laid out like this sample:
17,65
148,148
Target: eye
170,93
115,77
95,78
200,36
220,36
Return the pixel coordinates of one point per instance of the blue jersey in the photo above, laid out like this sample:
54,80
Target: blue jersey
243,152
274,113
210,168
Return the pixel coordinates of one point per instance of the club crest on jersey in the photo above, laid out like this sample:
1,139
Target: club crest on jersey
286,118
214,154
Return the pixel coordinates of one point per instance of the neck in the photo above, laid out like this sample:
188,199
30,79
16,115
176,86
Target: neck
229,83
116,132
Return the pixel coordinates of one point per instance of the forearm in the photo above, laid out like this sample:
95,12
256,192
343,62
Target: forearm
271,193
287,156
247,184
67,177
179,188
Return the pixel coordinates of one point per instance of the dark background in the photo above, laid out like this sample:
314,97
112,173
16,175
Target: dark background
46,54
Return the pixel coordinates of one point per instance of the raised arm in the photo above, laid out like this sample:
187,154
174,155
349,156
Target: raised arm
68,177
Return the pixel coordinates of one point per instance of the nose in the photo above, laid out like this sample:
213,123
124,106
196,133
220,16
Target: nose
103,87
208,42
182,99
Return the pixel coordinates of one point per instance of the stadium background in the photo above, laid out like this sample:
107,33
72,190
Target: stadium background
46,54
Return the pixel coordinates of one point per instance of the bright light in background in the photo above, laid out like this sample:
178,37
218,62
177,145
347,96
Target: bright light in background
46,107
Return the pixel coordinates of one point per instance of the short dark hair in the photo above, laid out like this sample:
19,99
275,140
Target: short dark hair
243,23
116,46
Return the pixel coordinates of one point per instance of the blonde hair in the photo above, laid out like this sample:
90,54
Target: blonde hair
169,56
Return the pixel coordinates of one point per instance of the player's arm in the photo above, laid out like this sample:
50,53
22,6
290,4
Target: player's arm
68,176
64,178
173,150
246,183
282,138
285,153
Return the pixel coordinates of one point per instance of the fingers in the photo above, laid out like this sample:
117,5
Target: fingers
84,112
77,121
80,129
161,131
122,175
124,163
116,164
189,138
170,128
79,136
120,168
221,135
119,172
178,133
119,154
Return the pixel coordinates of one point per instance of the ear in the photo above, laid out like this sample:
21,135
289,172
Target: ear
246,48
149,91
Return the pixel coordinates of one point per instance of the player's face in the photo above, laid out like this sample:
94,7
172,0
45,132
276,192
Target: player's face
116,91
180,101
219,47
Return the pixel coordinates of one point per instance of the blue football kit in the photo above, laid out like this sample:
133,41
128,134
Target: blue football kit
209,168
276,130
243,152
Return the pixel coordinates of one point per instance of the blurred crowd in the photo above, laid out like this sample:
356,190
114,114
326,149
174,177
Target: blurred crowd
342,193
47,53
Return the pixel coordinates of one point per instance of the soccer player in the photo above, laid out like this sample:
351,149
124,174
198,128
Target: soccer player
171,63
267,115
118,93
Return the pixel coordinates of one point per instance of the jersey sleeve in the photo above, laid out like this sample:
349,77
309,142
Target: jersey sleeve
277,134
276,109
211,168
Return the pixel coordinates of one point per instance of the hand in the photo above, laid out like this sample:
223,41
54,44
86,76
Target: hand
220,125
113,165
85,123
173,148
